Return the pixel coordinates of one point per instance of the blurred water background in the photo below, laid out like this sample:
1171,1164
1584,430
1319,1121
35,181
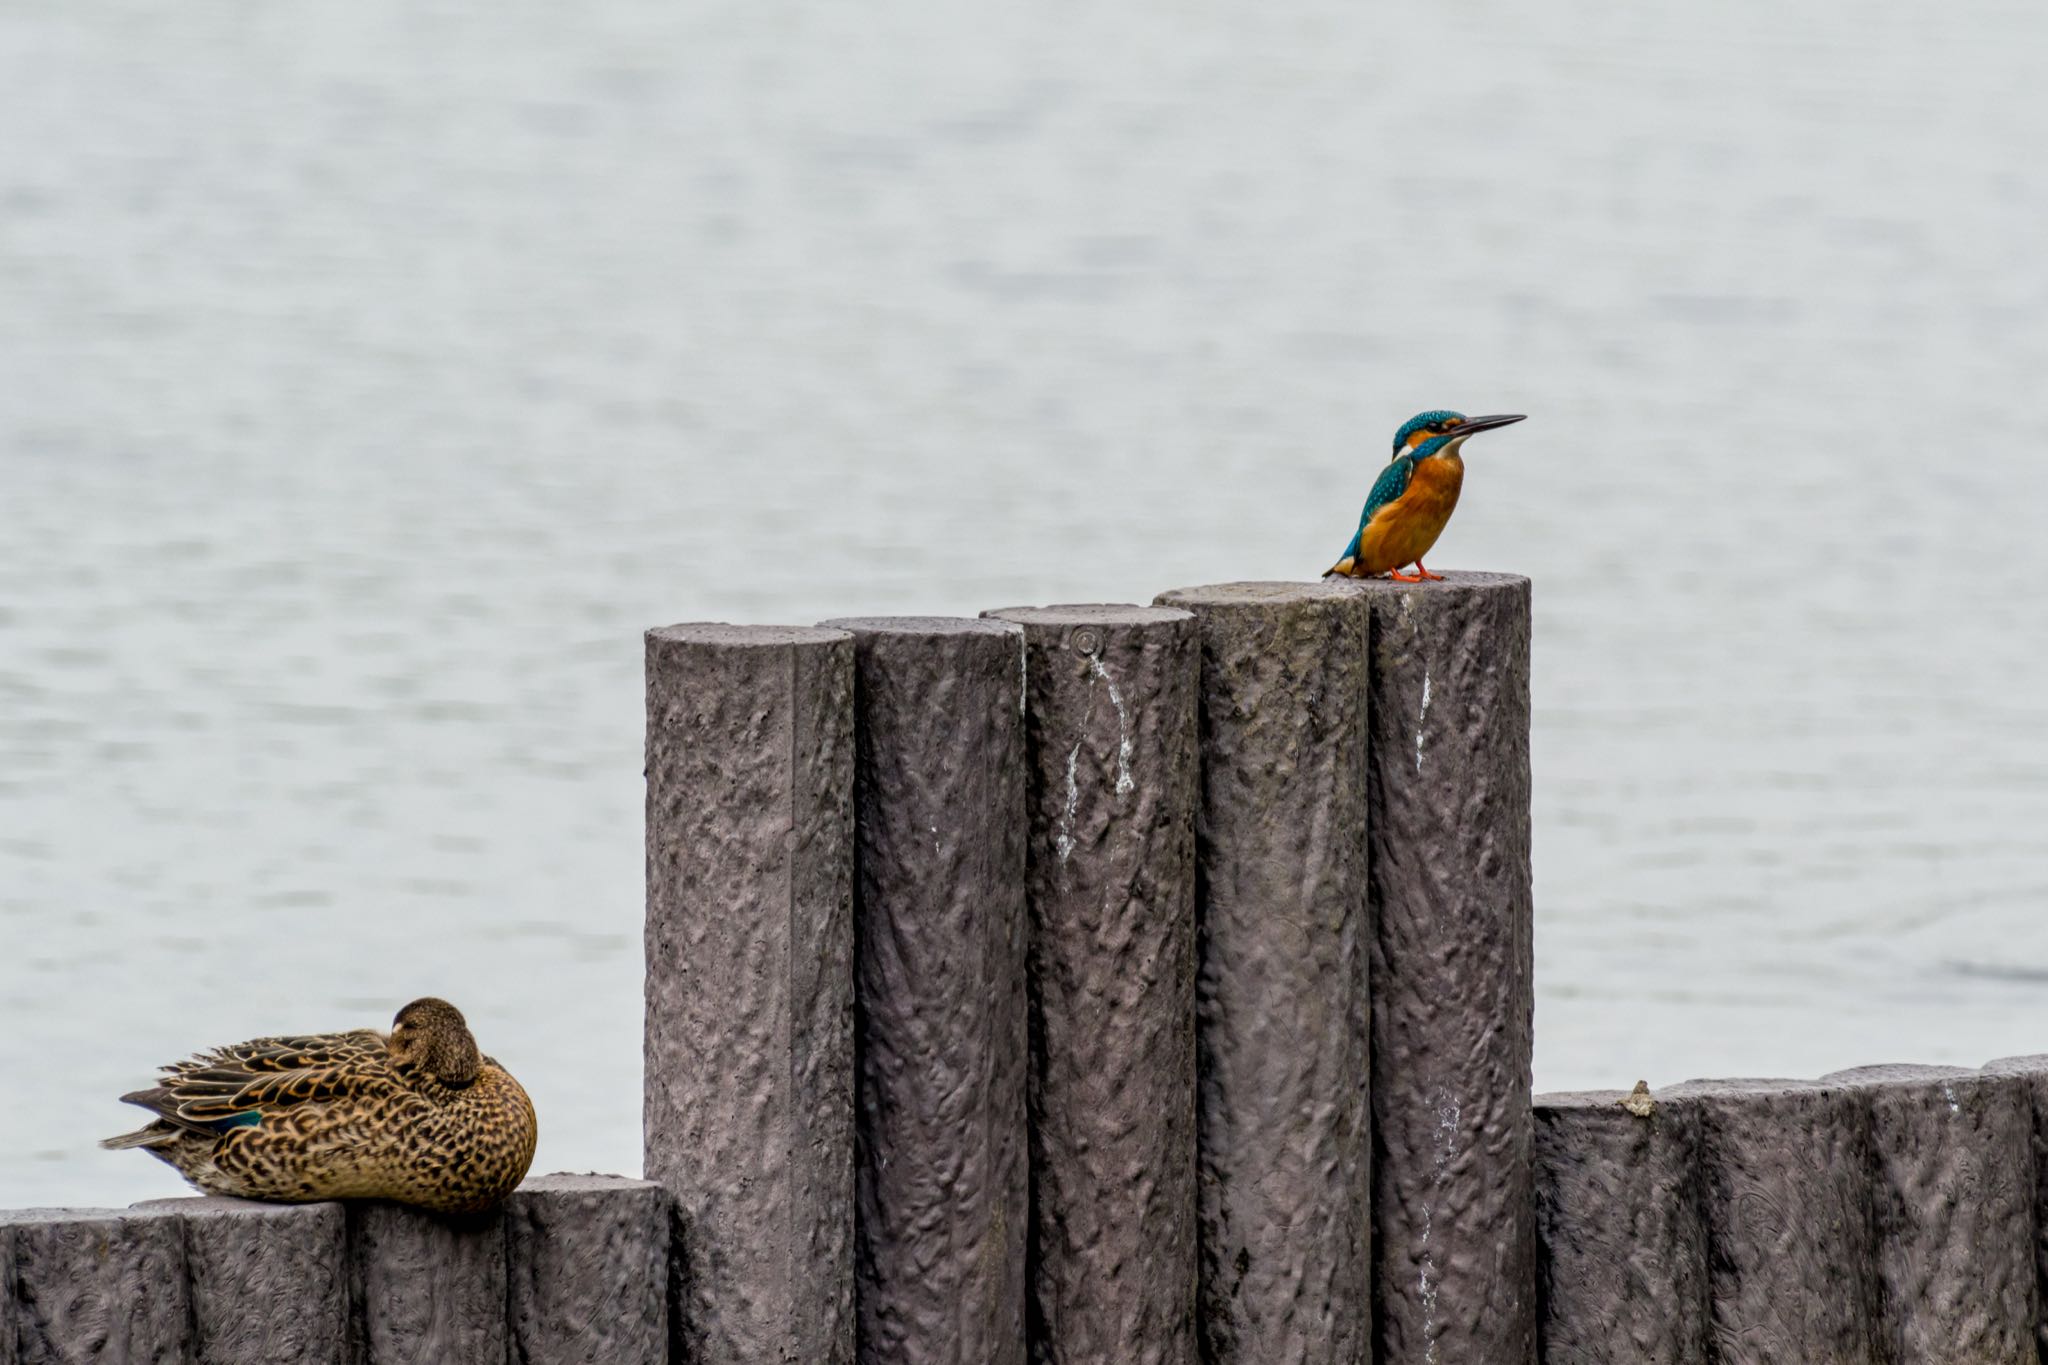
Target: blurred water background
372,374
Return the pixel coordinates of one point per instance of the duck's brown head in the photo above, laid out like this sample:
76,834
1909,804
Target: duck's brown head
432,1035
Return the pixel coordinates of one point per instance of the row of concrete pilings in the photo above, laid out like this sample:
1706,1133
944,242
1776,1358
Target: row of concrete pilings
1120,985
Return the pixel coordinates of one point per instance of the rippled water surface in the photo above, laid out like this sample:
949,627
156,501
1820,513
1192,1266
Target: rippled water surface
371,375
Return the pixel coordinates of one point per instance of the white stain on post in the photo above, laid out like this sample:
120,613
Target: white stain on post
1123,727
1064,843
1422,718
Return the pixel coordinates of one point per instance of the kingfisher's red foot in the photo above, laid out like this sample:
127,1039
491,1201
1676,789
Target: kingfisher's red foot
1422,573
1400,577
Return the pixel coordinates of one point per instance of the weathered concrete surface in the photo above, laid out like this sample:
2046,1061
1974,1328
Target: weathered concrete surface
1283,1013
587,1271
1623,1240
2032,1073
1452,970
427,1287
1786,1192
941,1038
749,1088
1954,1203
8,1316
1110,727
99,1285
269,1282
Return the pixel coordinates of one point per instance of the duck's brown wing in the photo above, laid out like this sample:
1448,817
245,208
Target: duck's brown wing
217,1089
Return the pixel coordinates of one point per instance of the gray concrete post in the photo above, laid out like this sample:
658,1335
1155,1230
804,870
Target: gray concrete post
2032,1073
269,1282
1283,1013
1785,1191
1953,1195
426,1286
941,1146
587,1270
748,1111
1623,1242
1453,970
9,1317
1110,724
100,1285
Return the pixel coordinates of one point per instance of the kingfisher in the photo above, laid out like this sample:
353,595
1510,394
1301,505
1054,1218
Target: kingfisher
1414,496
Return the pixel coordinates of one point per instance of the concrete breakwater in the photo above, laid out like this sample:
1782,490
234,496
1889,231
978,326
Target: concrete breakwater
569,1268
1119,984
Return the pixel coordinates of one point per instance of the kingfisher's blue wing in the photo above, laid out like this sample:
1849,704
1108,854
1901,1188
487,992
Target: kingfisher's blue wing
1391,484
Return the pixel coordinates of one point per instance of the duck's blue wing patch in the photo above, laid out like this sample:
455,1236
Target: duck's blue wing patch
1391,484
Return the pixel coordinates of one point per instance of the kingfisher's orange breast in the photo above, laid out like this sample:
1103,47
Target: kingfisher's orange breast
1403,531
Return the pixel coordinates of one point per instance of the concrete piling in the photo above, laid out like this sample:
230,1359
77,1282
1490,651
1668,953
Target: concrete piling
749,1041
9,1316
941,1038
1953,1196
587,1271
1452,969
2032,1074
1282,984
1624,1248
102,1285
426,1286
269,1282
1110,723
1785,1168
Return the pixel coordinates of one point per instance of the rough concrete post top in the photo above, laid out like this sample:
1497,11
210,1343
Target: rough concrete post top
1736,1088
920,627
1894,1073
47,1215
1590,1104
1457,580
563,1182
2032,1064
1255,593
719,634
1078,614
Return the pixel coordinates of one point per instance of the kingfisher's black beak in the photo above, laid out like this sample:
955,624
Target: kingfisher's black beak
1472,424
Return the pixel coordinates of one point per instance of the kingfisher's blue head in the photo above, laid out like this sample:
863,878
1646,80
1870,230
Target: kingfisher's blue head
1426,433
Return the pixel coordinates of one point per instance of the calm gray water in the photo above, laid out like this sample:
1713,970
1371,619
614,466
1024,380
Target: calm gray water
371,375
